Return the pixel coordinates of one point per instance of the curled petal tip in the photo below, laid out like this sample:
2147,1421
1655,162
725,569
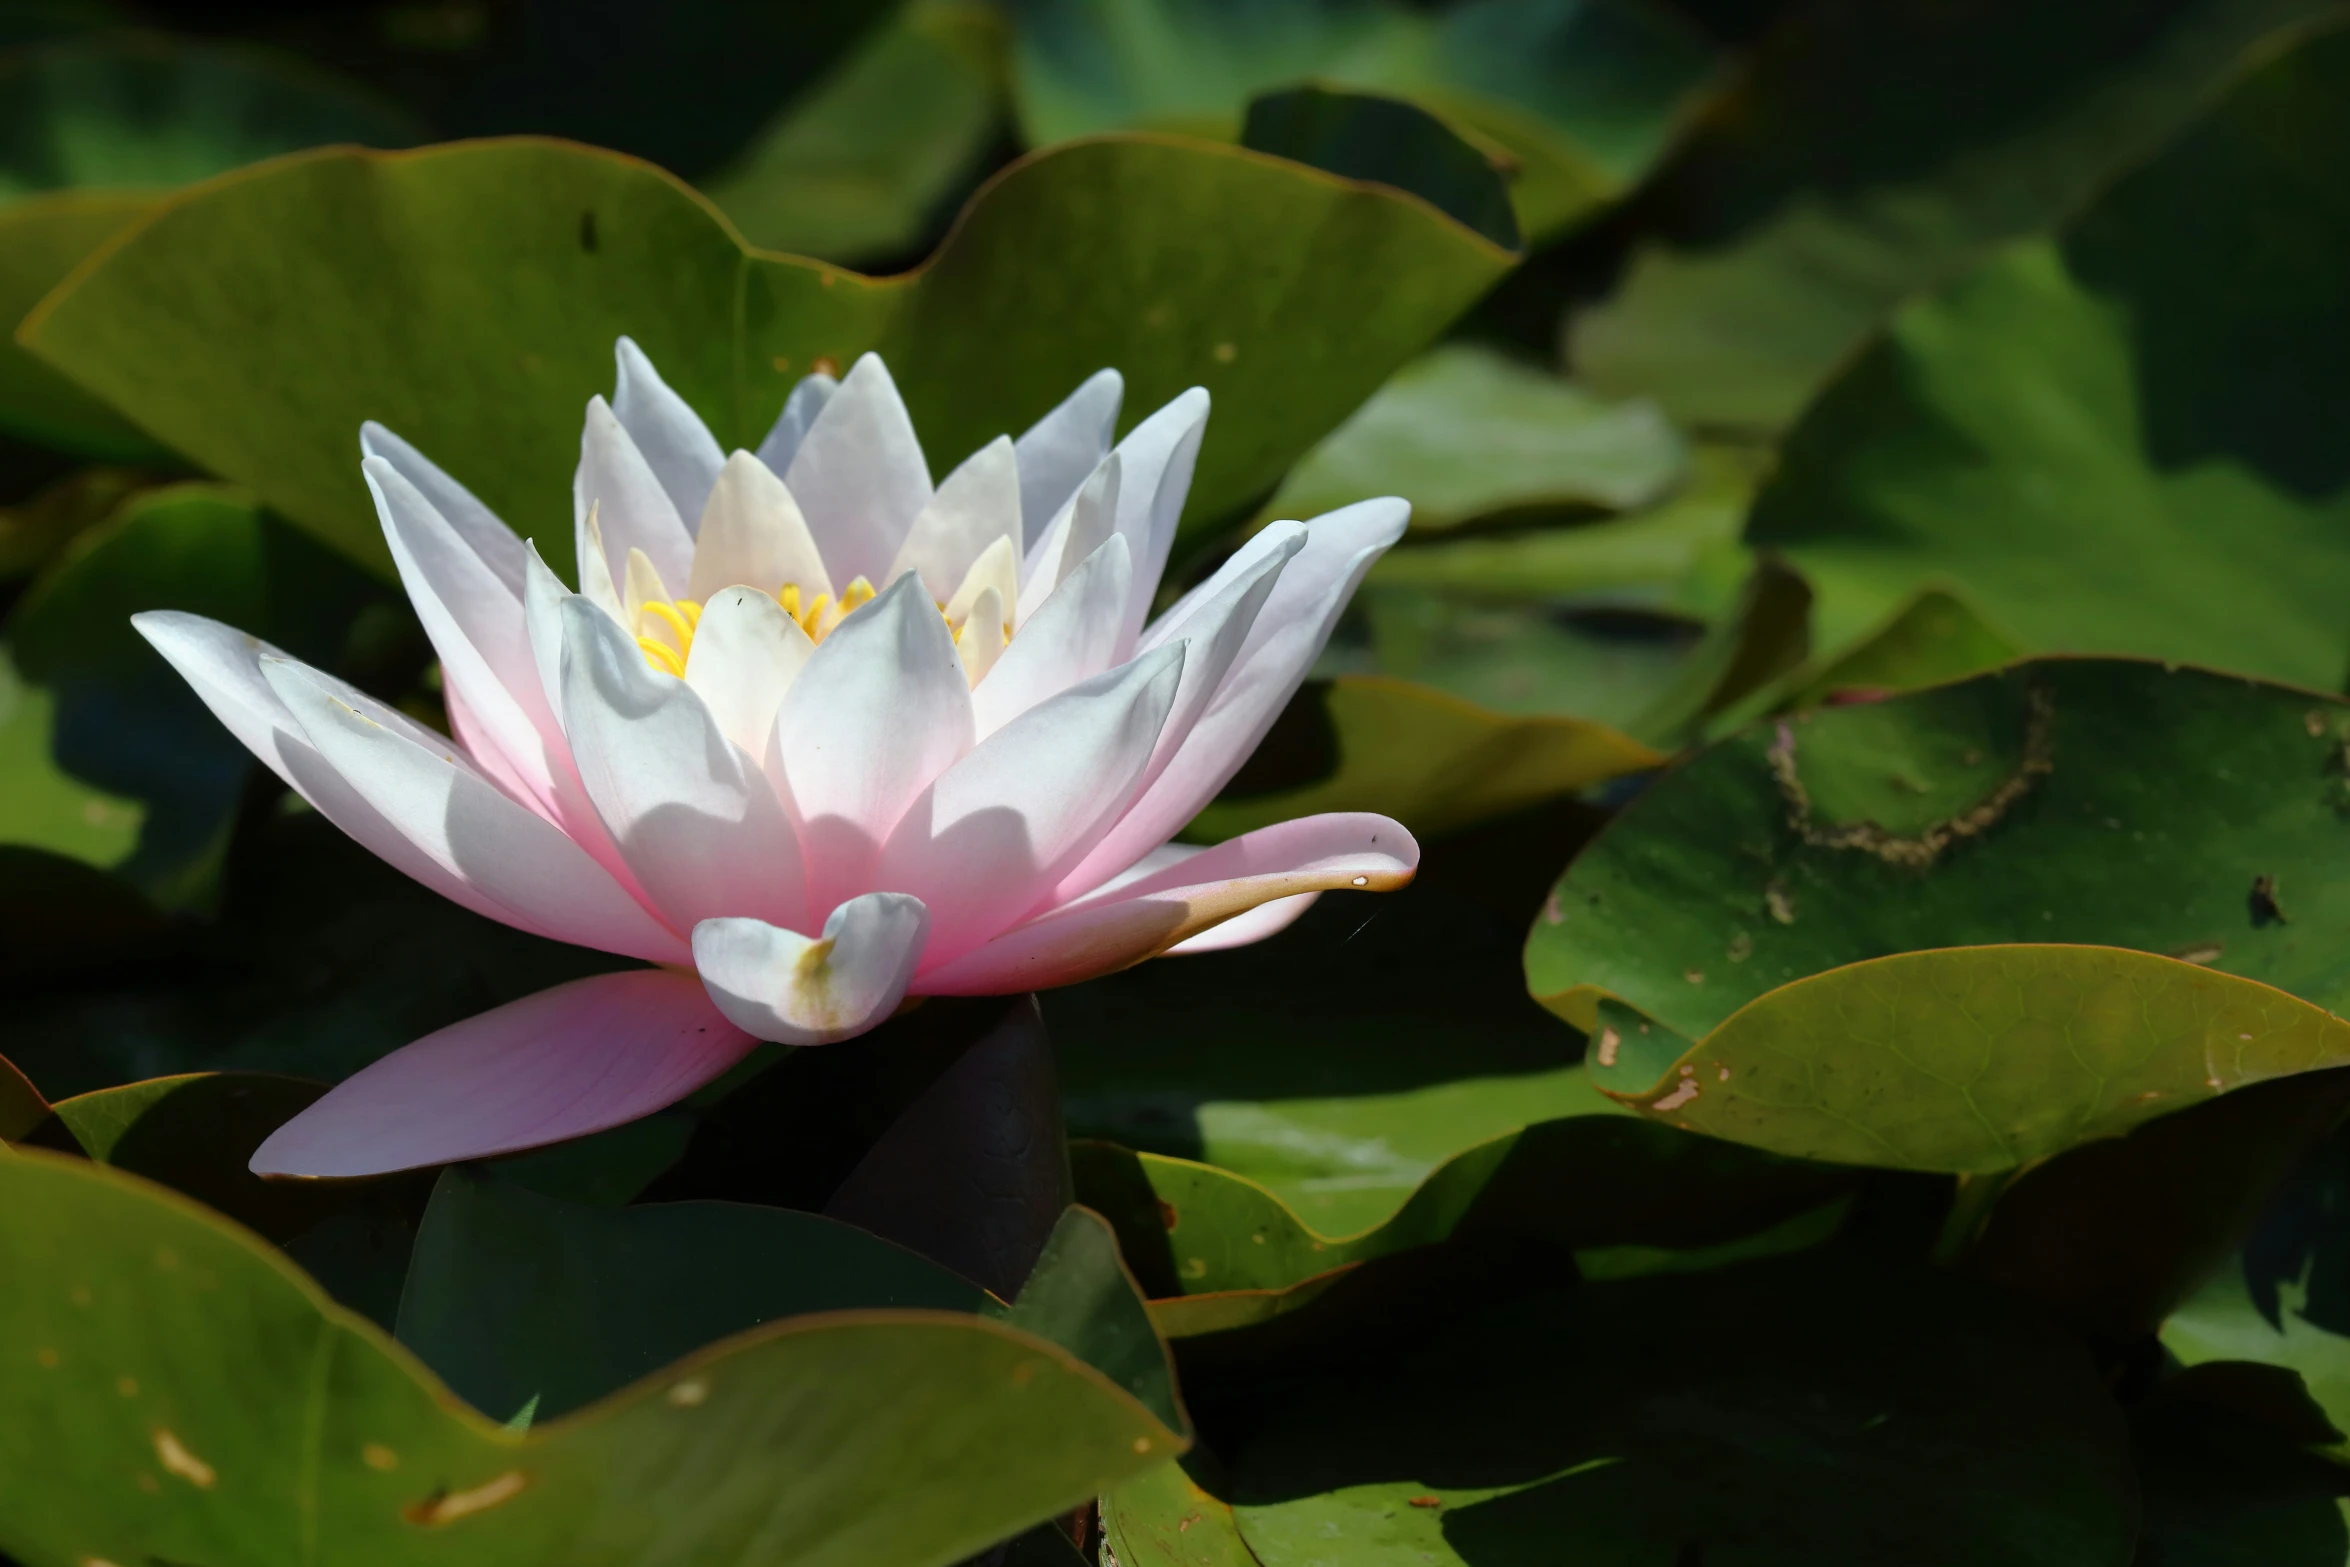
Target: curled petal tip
778,984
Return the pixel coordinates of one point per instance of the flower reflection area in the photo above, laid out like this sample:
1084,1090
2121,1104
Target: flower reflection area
812,737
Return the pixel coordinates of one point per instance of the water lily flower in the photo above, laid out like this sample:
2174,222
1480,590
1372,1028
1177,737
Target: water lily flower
813,736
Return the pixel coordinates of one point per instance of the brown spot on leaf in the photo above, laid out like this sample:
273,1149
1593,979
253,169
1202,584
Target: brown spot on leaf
1167,1214
177,1460
1609,1043
2198,951
1781,906
2266,910
443,1508
1427,1501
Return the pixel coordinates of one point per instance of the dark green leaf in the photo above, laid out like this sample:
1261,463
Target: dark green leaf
21,1106
1363,136
2119,439
860,167
2104,802
1584,98
1876,148
1782,1414
42,238
512,1296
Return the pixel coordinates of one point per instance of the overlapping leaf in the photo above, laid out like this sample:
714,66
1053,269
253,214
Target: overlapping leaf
258,320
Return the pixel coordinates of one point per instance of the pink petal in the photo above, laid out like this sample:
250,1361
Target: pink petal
1284,639
1149,914
985,843
565,1062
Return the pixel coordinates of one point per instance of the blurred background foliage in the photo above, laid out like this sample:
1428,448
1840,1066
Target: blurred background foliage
1741,358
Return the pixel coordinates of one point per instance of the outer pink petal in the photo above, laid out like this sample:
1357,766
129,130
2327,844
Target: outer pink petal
565,1062
1149,914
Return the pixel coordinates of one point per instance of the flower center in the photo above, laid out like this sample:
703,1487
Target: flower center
665,627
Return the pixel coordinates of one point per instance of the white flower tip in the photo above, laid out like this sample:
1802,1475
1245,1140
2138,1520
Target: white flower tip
778,984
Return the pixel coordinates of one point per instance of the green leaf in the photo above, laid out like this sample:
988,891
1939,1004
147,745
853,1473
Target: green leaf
121,110
1980,1060
42,238
2111,441
211,328
183,1394
195,1134
1464,432
1674,554
1872,151
2221,1487
860,166
1584,98
512,1296
21,1106
1081,1297
1340,1063
1803,1411
1364,136
1167,1518
1432,761
2105,802
124,720
48,808
2285,1300
1933,637
1591,1182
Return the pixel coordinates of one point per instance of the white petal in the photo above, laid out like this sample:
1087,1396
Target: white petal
1219,625
223,665
631,506
779,985
674,442
880,711
752,533
1154,913
595,566
859,475
698,824
465,824
807,400
985,843
1069,638
1158,456
476,626
979,640
977,505
497,545
1281,646
746,654
1090,518
998,570
1059,450
1246,929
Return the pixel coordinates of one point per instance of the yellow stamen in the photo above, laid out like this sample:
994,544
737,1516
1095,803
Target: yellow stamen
678,620
662,656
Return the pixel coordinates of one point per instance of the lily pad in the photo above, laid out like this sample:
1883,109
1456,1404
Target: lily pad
21,1106
42,238
48,808
1874,150
1167,1518
1982,1060
515,1298
1337,1064
195,1134
2110,440
1590,1182
530,258
1370,136
124,721
860,166
1583,98
184,1394
1464,432
1794,1412
2104,802
1430,760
